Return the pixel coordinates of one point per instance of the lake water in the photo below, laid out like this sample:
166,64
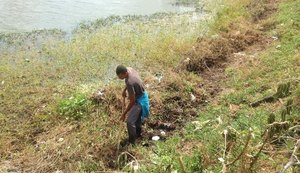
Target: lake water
27,15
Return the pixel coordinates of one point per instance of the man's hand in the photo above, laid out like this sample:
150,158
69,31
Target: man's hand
124,94
123,117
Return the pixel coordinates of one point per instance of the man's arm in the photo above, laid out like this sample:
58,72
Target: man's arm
124,92
130,105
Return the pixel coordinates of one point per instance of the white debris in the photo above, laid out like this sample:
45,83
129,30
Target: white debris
100,93
221,159
274,38
158,78
135,167
278,46
162,133
155,138
187,60
193,98
2,83
60,139
239,54
249,155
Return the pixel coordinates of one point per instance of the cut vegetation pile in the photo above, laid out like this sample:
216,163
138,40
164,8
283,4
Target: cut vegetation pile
213,52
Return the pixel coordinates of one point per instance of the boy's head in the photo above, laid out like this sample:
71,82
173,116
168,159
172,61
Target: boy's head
122,72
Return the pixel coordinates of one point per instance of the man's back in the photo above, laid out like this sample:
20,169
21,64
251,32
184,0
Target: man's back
134,83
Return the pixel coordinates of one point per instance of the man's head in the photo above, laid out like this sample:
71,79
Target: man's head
122,72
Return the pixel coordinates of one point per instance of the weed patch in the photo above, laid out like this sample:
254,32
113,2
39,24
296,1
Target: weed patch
74,107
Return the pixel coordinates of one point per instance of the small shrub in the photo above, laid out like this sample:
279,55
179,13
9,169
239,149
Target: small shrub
74,107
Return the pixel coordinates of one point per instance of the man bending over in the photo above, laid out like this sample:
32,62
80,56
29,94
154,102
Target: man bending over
138,107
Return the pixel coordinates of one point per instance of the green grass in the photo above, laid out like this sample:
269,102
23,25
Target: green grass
258,77
37,82
88,60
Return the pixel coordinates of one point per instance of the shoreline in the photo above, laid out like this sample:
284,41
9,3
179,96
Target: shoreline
36,38
110,17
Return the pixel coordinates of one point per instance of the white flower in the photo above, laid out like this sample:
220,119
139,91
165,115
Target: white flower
225,132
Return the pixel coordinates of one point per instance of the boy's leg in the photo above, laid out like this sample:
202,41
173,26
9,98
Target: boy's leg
133,116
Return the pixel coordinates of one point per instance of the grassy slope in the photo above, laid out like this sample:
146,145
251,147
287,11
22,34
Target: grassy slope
33,129
38,80
256,74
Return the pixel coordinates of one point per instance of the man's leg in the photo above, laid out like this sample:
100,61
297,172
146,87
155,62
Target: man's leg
138,126
133,116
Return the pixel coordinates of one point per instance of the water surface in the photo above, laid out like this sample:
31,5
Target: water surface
27,15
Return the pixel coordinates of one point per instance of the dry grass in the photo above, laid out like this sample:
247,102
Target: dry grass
212,52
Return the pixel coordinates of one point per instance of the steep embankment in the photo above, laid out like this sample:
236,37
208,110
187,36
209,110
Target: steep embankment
205,78
48,121
253,123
